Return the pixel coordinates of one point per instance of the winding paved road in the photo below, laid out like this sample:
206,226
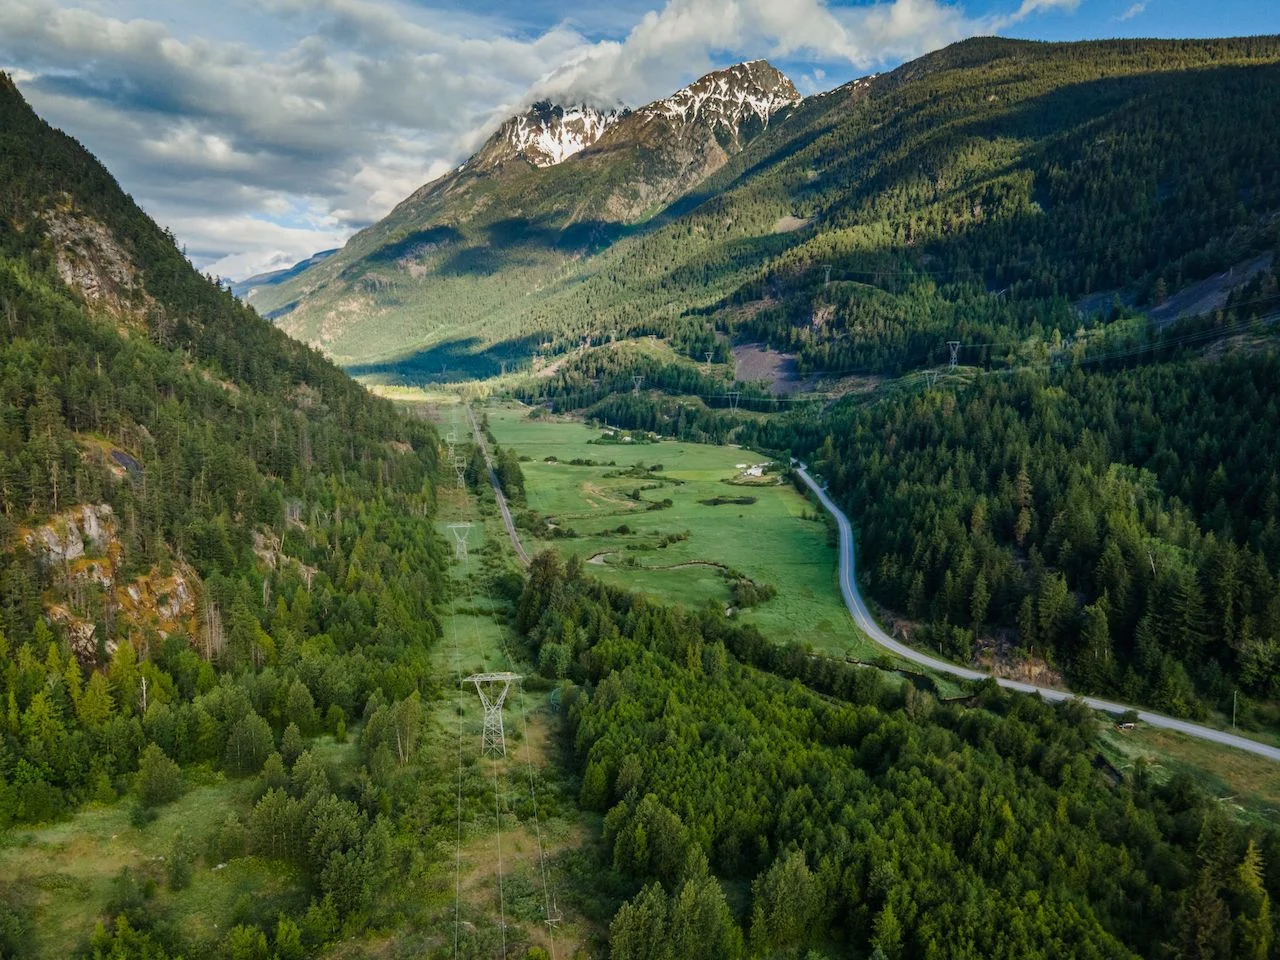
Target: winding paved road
497,490
864,621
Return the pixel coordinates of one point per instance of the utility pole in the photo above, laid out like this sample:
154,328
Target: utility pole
1235,695
493,689
461,531
955,353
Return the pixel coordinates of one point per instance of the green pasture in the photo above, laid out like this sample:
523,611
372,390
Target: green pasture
81,869
770,541
1245,785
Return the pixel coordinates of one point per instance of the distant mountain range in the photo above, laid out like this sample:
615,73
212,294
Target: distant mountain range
992,168
244,289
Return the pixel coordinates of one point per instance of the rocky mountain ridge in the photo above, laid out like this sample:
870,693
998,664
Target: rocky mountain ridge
544,135
726,100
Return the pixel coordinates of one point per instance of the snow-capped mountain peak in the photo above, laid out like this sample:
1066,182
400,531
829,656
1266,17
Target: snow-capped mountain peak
546,134
729,97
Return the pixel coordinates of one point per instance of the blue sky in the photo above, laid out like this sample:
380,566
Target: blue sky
264,130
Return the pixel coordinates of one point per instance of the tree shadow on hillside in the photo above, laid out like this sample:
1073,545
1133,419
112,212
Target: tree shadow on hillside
415,244
521,241
453,361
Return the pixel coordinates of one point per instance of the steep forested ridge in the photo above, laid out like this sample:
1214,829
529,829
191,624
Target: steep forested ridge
995,183
1120,517
214,546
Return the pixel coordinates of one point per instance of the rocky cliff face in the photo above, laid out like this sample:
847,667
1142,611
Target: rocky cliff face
65,537
82,546
91,260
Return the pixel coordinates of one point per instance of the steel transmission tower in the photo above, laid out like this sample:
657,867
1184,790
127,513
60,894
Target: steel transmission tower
493,689
460,468
461,531
955,353
636,381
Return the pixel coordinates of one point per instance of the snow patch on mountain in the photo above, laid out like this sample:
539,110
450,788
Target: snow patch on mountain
728,97
551,137
547,134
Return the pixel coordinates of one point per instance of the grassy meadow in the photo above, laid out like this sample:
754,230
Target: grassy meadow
778,540
1245,785
477,638
96,862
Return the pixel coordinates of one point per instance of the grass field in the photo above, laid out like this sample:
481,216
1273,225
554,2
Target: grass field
485,890
72,870
415,395
1245,784
779,540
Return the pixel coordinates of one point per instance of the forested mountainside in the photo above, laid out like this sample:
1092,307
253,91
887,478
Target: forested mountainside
852,817
1113,508
213,545
978,193
450,261
997,192
1095,482
1125,524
